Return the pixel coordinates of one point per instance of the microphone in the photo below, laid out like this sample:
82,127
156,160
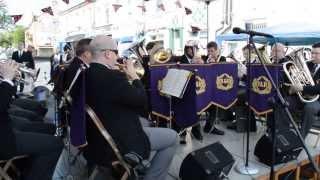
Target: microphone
238,30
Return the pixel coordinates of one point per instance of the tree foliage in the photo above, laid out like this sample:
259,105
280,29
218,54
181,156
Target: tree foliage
5,19
12,37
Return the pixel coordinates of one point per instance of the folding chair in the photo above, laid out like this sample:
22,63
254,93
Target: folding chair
5,165
111,142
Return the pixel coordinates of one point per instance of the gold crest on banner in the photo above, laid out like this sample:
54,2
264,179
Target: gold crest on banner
224,82
261,85
200,85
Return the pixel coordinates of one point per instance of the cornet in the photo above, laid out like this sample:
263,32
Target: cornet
23,69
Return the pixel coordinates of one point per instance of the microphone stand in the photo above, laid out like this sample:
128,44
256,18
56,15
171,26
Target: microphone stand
247,168
284,105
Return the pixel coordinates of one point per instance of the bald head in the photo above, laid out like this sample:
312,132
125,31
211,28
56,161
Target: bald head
104,49
278,51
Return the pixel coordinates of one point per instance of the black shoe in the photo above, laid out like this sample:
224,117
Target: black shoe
217,131
196,133
232,125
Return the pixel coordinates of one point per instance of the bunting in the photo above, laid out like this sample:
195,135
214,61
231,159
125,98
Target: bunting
116,7
143,8
178,4
16,18
66,1
161,6
188,11
47,10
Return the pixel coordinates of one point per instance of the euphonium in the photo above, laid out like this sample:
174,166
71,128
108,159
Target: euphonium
137,66
298,72
137,53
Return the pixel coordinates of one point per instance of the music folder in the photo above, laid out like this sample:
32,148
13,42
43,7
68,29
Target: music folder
175,82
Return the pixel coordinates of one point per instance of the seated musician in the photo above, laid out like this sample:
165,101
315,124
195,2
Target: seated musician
188,58
213,56
42,149
312,109
116,98
83,57
242,91
278,53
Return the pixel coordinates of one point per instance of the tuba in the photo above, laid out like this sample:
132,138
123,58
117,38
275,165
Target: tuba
298,72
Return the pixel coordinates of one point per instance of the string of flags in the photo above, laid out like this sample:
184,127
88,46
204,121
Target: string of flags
116,7
16,18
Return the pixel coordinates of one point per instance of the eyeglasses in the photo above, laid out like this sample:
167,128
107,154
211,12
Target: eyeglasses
113,50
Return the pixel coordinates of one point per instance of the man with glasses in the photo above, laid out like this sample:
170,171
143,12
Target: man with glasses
310,110
116,97
278,53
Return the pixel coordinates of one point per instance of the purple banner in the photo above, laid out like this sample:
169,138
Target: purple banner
261,87
225,85
211,84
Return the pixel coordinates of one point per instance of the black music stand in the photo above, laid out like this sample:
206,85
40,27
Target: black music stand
279,99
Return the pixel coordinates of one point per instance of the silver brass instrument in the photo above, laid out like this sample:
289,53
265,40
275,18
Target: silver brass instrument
298,72
33,73
264,55
137,52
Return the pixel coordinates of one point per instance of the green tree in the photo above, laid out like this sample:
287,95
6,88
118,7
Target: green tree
5,19
18,35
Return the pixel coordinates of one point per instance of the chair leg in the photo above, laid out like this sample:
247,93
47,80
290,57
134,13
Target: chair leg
317,141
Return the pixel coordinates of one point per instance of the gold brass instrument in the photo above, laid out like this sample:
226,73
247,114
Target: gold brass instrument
160,56
262,51
298,72
23,69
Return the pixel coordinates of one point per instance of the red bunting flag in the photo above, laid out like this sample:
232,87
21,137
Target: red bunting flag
16,18
66,1
195,29
47,10
161,6
143,8
188,11
116,7
178,3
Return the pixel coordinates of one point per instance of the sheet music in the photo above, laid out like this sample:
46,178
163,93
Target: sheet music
175,82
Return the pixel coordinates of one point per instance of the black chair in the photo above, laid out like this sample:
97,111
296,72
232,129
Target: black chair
132,165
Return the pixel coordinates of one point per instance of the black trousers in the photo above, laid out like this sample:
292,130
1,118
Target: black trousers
31,105
20,112
23,124
43,151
